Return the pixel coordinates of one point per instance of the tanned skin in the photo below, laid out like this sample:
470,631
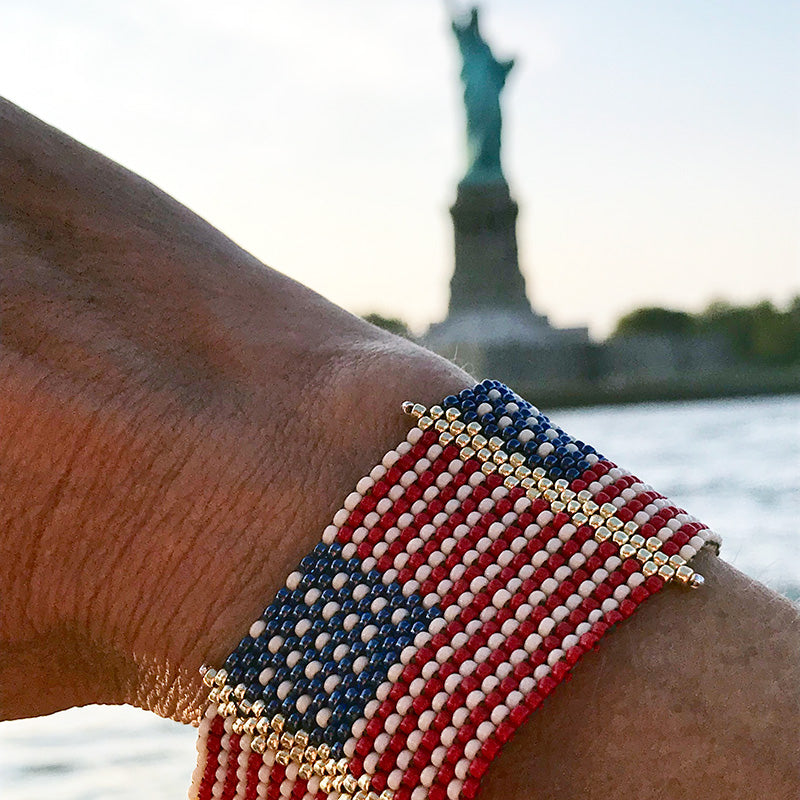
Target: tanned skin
166,403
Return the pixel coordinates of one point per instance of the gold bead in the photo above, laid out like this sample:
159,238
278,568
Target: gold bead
567,496
653,544
213,695
274,740
225,693
283,757
561,485
585,495
488,468
452,413
418,409
627,551
523,472
660,558
277,722
462,439
500,457
258,708
474,428
684,573
517,460
573,506
326,784
221,677
511,482
602,534
350,784
407,406
696,581
287,741
539,473
301,739
250,726
496,443
387,794
614,523
607,510
240,691
637,541
445,438
258,745
364,782
436,411
544,484
466,453
457,427
551,495
620,538
441,426
505,470
424,422
238,726
479,441
643,555
208,677
527,482
305,772
245,706
557,506
311,753
676,561
649,568
590,507
579,518
630,527
319,767
596,520
324,752
484,454
262,726
666,572
297,754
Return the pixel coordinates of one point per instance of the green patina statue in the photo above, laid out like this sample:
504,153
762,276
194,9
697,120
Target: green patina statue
483,77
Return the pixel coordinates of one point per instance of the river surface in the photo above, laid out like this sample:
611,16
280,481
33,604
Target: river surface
735,464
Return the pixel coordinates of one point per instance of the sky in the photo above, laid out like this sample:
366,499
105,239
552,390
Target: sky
653,147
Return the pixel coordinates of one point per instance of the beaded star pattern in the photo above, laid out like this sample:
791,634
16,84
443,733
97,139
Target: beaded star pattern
460,583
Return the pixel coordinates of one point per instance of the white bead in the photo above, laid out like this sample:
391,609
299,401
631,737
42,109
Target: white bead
546,626
283,689
554,656
340,517
257,628
293,581
390,458
533,641
275,644
500,598
414,435
542,671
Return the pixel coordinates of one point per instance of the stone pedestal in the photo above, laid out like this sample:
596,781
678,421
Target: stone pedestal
491,329
487,268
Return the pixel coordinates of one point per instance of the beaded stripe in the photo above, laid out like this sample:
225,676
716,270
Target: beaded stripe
458,585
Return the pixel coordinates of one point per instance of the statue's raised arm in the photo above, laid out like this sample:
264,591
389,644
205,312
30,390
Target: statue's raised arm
483,77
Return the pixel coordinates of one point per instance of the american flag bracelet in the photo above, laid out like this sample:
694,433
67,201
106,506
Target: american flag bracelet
460,583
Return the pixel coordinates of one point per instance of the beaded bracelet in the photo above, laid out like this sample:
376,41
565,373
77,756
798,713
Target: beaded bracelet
455,589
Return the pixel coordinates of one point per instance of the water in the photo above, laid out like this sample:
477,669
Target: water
733,463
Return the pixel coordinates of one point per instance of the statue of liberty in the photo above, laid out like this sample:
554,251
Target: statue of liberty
483,77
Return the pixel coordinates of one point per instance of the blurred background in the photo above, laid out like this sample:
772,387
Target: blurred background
652,149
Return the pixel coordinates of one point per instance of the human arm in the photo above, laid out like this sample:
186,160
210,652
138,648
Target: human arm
167,398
